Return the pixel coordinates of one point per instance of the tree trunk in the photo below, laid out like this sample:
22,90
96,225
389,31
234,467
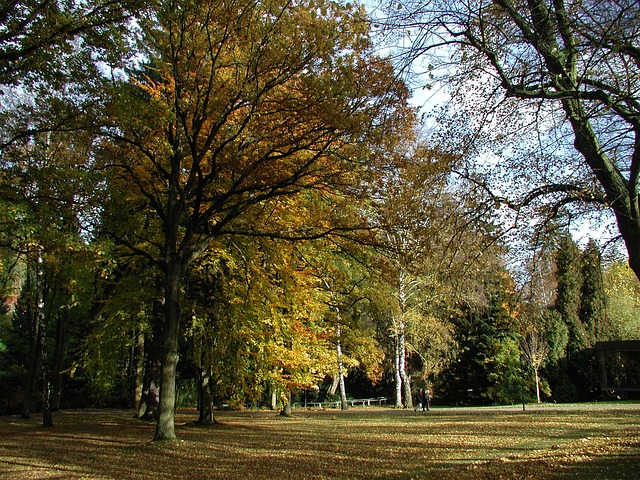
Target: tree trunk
286,409
535,371
406,383
139,371
47,420
206,398
58,356
165,428
622,194
398,378
343,392
274,392
335,383
34,363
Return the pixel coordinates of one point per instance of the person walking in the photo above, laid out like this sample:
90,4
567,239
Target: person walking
426,400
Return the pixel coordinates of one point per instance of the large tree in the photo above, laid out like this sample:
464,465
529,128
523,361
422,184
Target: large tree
566,71
239,107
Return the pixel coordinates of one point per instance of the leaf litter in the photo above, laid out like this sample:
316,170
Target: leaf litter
365,443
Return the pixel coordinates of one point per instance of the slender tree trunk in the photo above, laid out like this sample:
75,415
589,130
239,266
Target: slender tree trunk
535,370
402,379
58,356
274,392
406,383
165,428
139,371
398,378
343,392
34,364
47,419
335,383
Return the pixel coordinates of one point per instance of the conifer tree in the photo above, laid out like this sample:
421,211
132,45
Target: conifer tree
569,284
592,308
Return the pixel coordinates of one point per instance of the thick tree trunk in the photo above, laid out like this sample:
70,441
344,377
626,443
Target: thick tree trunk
206,399
286,409
165,428
623,196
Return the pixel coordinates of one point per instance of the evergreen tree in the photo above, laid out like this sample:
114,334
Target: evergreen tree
487,367
569,284
592,308
574,376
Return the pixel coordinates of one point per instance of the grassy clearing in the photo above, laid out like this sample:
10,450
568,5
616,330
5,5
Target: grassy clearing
549,443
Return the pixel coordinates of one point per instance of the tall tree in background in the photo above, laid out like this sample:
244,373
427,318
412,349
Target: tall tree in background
50,54
432,252
407,215
43,186
486,368
593,302
568,296
568,71
542,333
342,278
237,110
570,381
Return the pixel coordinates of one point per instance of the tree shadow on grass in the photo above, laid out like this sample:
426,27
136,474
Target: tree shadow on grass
250,445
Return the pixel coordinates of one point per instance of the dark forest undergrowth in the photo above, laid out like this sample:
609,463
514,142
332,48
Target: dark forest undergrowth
549,443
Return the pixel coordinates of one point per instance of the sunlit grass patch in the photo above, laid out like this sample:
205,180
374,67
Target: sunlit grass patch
598,443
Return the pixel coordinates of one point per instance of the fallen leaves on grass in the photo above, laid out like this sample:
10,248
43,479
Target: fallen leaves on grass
359,444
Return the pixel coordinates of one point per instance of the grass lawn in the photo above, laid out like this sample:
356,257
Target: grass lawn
590,443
